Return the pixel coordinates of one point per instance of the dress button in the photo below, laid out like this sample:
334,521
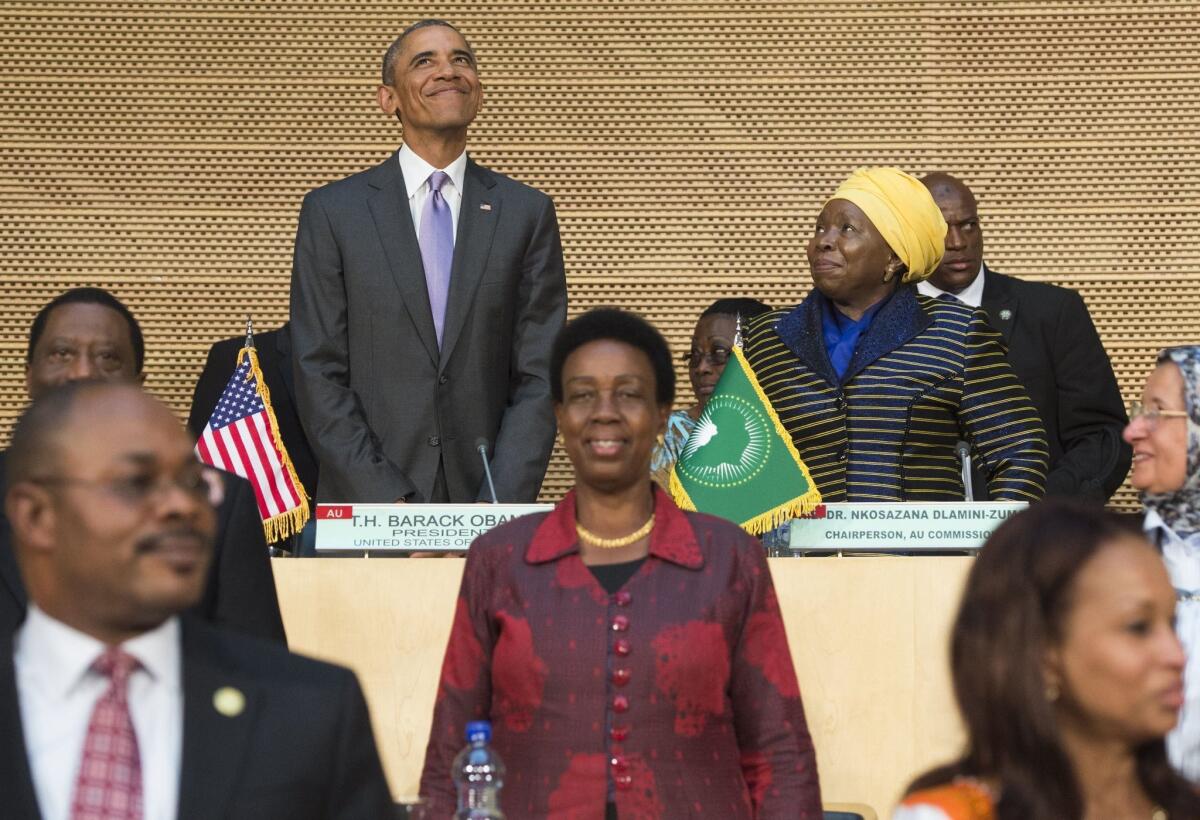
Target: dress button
620,703
621,647
620,677
443,379
620,623
434,441
624,782
622,598
619,763
618,733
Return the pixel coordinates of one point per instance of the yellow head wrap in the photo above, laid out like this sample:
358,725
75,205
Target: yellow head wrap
903,211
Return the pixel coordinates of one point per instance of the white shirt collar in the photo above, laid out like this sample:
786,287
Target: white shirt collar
971,295
416,170
59,655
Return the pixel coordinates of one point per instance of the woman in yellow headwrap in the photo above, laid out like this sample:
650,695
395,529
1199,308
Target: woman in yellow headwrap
876,383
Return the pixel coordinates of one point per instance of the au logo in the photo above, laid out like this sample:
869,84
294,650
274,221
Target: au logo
729,446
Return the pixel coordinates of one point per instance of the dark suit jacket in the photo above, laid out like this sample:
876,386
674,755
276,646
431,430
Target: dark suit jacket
240,592
382,406
1057,354
925,373
301,748
275,360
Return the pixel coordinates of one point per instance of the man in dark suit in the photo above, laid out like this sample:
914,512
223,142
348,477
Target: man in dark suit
274,349
87,333
426,292
108,698
1053,347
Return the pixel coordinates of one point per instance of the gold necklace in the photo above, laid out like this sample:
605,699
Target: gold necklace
614,543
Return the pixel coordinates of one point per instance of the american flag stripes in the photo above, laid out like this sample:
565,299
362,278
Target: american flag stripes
242,437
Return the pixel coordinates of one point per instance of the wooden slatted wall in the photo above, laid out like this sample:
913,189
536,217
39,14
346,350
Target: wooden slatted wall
161,149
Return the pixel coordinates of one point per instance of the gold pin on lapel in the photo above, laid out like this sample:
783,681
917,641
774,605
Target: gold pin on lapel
485,206
229,701
1006,314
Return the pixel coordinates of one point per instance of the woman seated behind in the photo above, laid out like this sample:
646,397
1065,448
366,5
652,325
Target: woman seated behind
712,340
876,383
631,657
1164,429
1068,676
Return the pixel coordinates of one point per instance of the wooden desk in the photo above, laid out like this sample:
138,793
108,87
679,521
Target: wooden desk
868,637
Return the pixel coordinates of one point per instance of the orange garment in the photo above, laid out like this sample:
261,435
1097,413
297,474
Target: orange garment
963,799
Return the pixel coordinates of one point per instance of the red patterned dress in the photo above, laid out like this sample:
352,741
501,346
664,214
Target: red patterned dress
674,696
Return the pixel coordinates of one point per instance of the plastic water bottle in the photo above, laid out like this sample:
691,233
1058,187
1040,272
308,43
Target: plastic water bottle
478,776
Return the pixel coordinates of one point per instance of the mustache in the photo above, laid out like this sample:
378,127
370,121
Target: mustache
162,540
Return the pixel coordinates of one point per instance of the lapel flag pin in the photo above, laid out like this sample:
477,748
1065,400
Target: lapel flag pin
485,206
229,701
1006,314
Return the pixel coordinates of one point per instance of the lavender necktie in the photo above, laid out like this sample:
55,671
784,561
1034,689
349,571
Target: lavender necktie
437,249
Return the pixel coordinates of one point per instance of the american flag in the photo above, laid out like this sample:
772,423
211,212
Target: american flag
243,438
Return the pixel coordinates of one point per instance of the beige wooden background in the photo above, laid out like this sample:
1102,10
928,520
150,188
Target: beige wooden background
161,149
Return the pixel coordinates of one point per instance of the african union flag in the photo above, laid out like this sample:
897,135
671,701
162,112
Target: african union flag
739,462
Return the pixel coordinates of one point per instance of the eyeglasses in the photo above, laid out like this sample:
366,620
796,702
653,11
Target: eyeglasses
717,357
147,489
1151,415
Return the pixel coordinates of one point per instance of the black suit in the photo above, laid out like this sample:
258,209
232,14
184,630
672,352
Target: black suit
275,360
1057,354
239,593
301,748
390,414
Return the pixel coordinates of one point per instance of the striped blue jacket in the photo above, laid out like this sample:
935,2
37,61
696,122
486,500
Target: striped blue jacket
926,373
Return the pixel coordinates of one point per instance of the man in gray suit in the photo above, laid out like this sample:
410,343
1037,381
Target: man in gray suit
426,292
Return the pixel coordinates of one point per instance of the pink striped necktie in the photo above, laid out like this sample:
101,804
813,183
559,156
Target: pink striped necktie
109,786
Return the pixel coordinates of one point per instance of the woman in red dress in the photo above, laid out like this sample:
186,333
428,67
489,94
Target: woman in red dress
631,656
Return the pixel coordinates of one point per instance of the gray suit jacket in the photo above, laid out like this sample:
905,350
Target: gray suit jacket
380,403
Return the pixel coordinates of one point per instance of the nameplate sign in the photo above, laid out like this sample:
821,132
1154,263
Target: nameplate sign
900,527
382,528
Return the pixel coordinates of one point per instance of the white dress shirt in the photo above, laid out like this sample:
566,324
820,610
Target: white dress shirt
416,179
58,691
1182,557
971,295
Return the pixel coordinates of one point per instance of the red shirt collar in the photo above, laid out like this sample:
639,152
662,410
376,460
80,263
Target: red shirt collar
672,538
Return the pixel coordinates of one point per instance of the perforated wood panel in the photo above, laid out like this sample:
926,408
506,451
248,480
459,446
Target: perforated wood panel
161,149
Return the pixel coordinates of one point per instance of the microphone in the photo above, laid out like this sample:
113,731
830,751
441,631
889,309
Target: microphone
481,447
963,451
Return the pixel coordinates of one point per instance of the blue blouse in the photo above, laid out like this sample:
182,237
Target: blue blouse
842,333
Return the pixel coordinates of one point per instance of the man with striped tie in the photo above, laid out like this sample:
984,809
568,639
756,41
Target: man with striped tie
114,705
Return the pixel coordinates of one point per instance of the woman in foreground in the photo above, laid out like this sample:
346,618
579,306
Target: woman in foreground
1068,676
631,657
1164,430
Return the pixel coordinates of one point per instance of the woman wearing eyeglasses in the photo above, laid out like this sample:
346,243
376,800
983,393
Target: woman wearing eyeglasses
712,340
1164,431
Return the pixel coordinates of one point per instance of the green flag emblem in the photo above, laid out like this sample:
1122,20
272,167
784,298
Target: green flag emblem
739,462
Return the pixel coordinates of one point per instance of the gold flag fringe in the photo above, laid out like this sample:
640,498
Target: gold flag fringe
769,520
291,522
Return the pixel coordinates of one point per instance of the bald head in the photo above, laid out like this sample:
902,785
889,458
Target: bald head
964,237
109,509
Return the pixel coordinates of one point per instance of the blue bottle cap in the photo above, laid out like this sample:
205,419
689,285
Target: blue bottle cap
479,730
